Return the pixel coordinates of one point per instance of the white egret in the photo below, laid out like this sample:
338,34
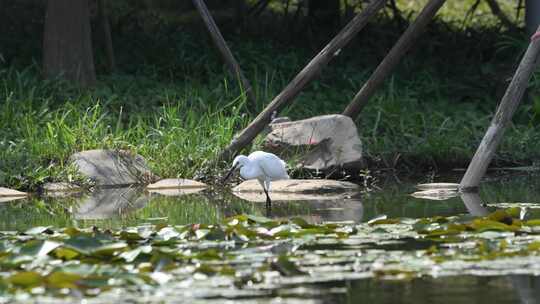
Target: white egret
262,166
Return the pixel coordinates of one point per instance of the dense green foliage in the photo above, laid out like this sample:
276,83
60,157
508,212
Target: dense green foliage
172,101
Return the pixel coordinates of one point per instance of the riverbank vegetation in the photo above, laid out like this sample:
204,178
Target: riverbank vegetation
172,101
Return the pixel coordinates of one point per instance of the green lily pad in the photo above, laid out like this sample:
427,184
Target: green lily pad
26,279
59,279
285,267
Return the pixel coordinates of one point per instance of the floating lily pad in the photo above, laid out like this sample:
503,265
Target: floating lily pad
245,254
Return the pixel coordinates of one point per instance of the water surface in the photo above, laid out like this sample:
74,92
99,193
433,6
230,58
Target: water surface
117,208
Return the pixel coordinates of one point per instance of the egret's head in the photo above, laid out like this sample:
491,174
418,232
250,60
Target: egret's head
238,162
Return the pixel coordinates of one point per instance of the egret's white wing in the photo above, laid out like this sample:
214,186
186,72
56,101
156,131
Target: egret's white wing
271,165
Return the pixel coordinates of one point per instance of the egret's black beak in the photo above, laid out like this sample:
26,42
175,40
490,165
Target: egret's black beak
229,173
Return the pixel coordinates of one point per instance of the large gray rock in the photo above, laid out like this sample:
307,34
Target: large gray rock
305,186
326,142
113,167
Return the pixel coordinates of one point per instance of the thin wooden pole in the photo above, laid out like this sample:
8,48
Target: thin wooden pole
532,15
496,10
310,71
232,64
104,18
392,58
509,103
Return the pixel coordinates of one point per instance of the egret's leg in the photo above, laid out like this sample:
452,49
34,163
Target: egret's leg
264,185
268,204
266,188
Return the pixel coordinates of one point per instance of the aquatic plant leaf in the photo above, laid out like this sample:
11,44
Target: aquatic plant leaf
481,225
26,279
109,249
259,219
301,222
380,217
534,222
60,279
285,267
38,248
210,254
239,252
386,222
66,253
167,233
160,277
201,233
82,244
39,230
514,212
72,231
501,216
130,236
131,255
534,246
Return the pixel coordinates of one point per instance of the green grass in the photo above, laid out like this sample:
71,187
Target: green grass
41,128
174,103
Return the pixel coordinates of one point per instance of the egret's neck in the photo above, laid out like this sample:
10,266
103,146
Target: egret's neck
249,171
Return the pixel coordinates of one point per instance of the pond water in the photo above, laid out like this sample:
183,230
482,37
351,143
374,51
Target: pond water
111,208
130,207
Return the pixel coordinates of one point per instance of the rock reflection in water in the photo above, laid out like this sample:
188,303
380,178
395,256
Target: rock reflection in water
11,198
350,210
314,208
175,192
107,203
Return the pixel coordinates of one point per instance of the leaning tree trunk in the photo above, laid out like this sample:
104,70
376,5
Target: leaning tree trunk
67,45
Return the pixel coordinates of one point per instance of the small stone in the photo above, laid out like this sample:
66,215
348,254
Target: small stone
61,187
113,167
6,192
176,183
442,186
316,186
